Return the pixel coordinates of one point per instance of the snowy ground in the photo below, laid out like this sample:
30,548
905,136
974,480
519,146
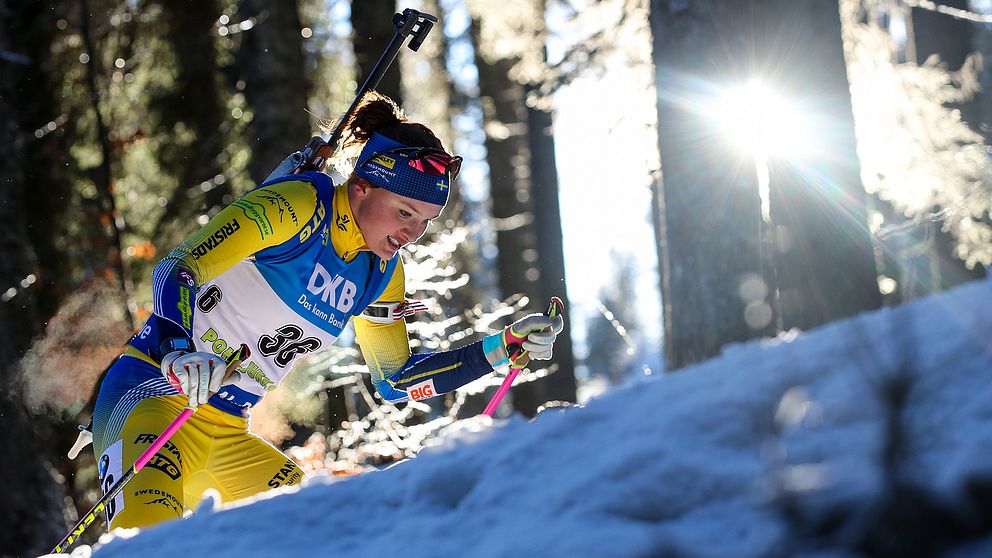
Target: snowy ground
697,463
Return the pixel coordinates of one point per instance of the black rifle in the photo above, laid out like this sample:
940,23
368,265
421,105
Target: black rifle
318,150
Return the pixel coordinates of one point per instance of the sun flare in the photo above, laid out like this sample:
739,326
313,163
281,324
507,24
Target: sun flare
761,122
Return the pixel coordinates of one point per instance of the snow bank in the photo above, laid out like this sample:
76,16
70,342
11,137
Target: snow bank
686,464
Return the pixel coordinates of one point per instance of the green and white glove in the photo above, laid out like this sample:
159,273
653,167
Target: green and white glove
530,337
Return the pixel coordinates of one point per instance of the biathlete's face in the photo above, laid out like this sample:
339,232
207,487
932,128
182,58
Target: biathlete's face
389,221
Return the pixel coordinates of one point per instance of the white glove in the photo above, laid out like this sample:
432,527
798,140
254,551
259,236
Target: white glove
198,375
530,337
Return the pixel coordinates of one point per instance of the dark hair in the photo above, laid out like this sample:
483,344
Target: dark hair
378,113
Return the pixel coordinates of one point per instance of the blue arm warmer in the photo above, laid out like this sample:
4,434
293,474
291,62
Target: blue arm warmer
442,371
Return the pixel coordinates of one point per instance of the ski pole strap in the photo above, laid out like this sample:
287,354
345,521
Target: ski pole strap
555,308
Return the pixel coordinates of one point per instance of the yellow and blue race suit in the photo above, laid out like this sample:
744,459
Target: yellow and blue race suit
283,269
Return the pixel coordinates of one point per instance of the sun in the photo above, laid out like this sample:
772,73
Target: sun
760,122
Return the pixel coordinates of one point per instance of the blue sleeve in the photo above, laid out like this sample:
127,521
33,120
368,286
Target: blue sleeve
428,374
174,288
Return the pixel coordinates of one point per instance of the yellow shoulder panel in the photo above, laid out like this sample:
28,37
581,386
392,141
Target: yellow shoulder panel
260,219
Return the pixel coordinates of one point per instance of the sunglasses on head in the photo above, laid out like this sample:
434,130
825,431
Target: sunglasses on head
430,160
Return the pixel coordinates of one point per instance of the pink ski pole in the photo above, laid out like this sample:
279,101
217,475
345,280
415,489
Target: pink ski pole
556,307
503,388
142,460
111,493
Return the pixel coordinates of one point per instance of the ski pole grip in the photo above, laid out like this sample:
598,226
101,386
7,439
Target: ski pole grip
555,308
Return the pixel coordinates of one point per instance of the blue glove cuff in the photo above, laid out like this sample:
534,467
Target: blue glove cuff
492,345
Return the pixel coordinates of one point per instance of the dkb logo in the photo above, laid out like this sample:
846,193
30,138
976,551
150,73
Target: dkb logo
322,284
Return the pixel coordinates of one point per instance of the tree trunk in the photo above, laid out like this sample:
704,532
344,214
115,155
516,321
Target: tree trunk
432,96
110,223
371,21
45,161
276,84
32,509
550,260
710,209
825,260
508,155
195,104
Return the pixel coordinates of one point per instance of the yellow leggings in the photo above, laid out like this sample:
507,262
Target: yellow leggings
213,449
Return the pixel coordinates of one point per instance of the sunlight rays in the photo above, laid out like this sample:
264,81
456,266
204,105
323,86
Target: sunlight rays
760,122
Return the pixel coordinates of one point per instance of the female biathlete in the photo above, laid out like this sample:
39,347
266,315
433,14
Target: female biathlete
283,270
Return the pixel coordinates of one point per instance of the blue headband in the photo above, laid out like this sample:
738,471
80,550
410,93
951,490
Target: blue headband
399,173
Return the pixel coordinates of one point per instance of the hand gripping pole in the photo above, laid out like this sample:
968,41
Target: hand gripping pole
555,308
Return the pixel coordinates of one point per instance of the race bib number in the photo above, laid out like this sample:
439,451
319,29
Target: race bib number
111,469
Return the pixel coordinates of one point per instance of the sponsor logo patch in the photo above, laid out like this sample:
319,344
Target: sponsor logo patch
381,174
248,369
383,160
336,291
186,276
342,222
161,497
254,372
218,346
169,448
423,390
164,464
215,240
288,474
280,203
185,308
256,213
111,470
314,223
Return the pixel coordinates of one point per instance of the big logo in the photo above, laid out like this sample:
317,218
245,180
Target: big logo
336,291
286,344
422,390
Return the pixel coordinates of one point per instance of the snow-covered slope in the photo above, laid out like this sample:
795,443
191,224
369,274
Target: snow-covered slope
686,464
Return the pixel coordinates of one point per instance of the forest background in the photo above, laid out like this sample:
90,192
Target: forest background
685,173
